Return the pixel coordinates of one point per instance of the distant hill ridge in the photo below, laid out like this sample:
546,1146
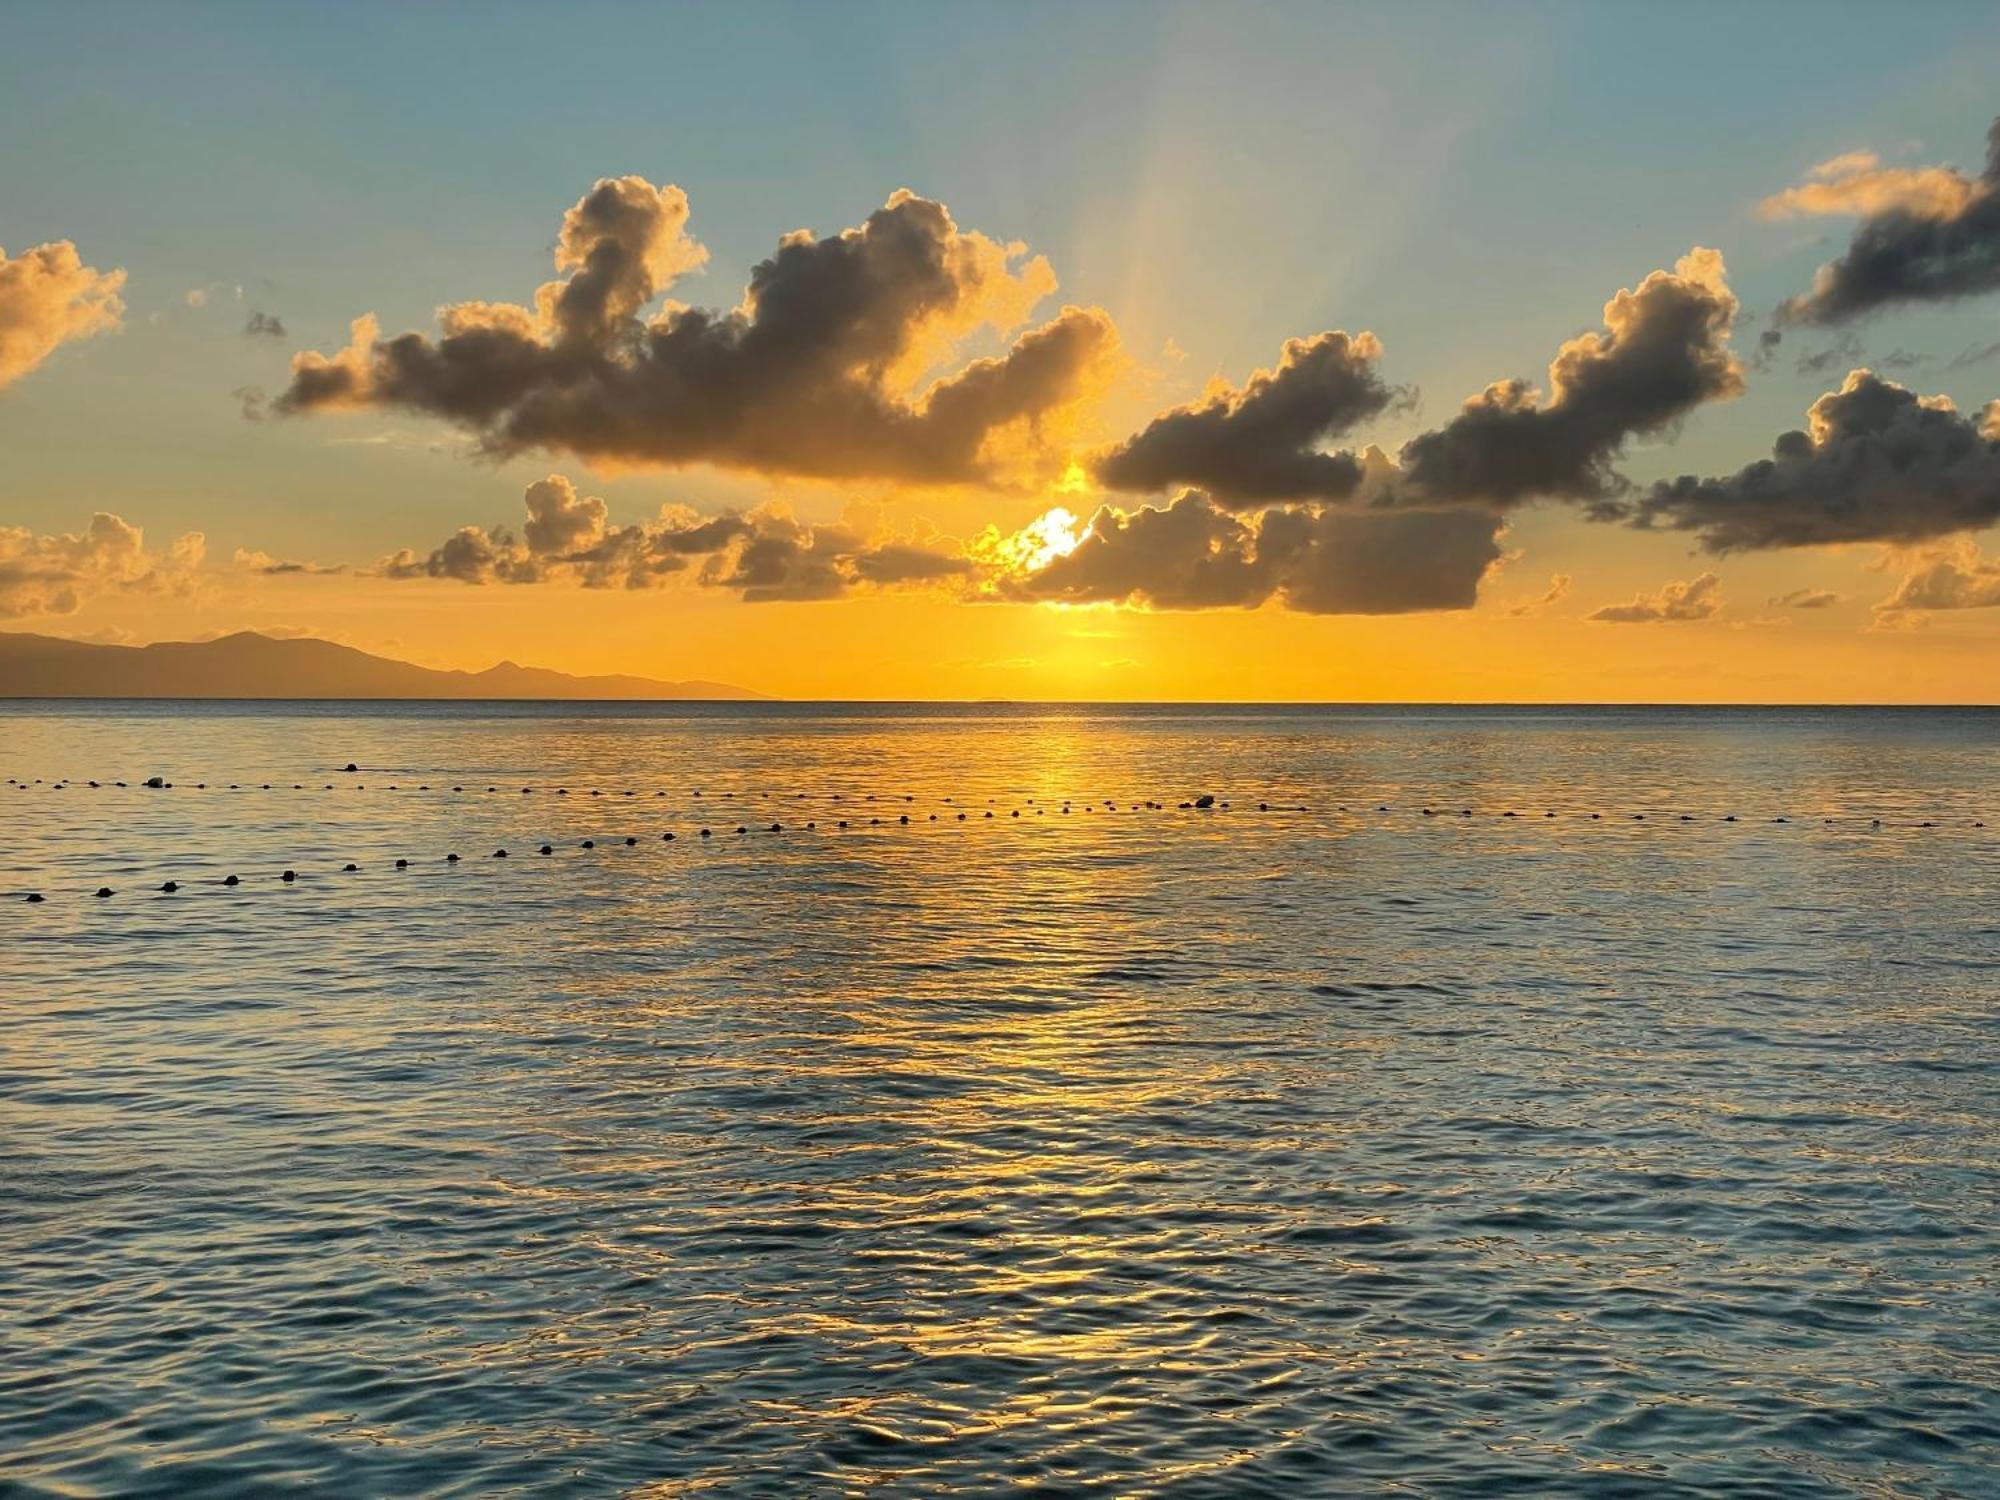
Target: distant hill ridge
249,665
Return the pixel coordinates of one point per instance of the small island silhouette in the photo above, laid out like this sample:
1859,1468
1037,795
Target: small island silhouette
250,665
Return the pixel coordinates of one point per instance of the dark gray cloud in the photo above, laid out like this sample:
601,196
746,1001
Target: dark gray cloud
819,372
765,555
1927,234
1696,599
263,325
1974,354
1263,442
1876,463
1196,554
1664,352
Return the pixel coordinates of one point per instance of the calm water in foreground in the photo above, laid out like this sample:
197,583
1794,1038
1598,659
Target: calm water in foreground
1109,1152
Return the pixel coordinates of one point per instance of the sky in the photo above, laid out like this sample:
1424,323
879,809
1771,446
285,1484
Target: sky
900,351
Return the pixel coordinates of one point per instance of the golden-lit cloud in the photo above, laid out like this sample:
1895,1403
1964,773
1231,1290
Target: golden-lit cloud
827,368
1558,589
1807,598
49,297
1951,577
1875,463
1927,234
252,560
56,574
1857,183
1696,599
764,554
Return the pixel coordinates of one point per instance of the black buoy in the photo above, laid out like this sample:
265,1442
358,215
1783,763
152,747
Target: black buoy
105,890
232,880
34,896
629,842
156,782
590,843
707,833
547,849
169,887
499,853
289,876
1205,800
349,869
402,864
350,767
666,838
451,859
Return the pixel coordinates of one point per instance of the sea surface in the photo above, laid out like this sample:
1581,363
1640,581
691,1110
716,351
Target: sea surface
1306,1145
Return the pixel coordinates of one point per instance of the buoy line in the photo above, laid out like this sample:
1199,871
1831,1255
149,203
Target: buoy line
1206,803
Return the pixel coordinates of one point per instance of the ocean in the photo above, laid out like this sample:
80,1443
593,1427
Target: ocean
1462,1105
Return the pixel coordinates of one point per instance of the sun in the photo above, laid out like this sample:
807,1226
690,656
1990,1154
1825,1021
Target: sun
1055,533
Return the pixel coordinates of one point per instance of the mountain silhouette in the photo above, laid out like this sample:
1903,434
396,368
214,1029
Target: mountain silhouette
249,665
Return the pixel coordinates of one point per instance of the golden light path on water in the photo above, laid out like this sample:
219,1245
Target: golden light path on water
1126,1151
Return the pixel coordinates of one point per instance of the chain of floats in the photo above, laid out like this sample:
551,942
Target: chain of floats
1065,807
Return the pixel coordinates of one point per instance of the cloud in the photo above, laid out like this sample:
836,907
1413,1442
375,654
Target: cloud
1806,599
263,325
820,370
1927,234
1196,554
1559,585
49,297
1262,442
764,554
1957,577
1843,352
1974,354
1697,599
1664,352
249,560
1876,463
55,575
